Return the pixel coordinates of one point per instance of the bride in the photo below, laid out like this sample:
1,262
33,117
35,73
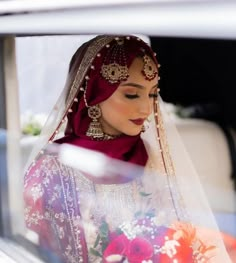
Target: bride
155,211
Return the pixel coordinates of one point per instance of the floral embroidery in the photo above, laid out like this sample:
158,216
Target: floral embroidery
56,212
36,192
32,218
60,232
56,194
61,217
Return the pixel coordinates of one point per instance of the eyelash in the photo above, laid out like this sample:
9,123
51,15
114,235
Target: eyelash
131,96
135,96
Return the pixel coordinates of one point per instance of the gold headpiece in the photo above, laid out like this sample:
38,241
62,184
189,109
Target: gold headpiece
114,68
148,70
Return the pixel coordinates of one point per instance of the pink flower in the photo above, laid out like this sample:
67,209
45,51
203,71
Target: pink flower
118,246
139,249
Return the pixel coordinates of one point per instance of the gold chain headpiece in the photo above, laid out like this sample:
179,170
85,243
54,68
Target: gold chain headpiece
114,68
148,70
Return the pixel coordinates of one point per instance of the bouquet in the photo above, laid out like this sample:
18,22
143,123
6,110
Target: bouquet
143,240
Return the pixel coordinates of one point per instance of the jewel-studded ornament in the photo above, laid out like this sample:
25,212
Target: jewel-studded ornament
95,128
149,70
114,68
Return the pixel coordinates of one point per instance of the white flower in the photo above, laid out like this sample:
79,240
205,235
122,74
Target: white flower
170,247
114,258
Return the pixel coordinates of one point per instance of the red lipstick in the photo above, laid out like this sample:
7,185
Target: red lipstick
138,121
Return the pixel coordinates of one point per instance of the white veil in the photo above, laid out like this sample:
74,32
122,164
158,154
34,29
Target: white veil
165,149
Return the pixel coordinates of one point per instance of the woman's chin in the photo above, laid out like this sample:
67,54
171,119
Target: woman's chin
133,133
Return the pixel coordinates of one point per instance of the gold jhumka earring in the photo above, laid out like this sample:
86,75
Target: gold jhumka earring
94,112
95,128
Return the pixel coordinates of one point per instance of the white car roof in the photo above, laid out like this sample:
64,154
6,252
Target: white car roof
207,19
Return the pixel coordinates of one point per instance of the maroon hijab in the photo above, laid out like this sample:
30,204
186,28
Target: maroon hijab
125,148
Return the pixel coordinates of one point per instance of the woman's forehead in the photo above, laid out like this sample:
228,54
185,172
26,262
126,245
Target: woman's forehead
138,63
137,71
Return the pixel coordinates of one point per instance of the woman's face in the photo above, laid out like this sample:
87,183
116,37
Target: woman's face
130,105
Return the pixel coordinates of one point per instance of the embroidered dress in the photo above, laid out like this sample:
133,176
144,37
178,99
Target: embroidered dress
152,211
82,221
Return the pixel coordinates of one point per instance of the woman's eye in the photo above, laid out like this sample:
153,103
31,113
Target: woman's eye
131,96
153,95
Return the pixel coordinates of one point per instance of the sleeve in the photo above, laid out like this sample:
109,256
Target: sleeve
37,184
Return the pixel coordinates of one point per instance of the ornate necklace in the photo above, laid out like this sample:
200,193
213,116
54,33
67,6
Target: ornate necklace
110,136
107,137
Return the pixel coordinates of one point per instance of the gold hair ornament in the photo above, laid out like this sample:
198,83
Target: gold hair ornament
115,67
148,70
114,72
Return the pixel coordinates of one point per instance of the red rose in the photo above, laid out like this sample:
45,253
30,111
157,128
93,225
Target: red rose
139,249
118,246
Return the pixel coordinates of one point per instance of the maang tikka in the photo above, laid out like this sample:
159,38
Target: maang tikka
114,68
148,70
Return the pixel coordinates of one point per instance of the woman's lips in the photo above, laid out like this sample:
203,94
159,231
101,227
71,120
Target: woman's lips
138,121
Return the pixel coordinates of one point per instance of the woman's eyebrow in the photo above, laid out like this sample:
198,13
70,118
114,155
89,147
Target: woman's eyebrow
155,86
133,85
136,85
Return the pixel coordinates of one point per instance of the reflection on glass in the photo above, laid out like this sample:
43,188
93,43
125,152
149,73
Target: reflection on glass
136,197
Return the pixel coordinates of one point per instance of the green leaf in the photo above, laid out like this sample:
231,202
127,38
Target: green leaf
119,231
95,252
104,245
97,241
32,128
138,214
150,213
104,229
144,194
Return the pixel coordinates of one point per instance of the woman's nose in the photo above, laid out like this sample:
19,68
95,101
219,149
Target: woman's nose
146,106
